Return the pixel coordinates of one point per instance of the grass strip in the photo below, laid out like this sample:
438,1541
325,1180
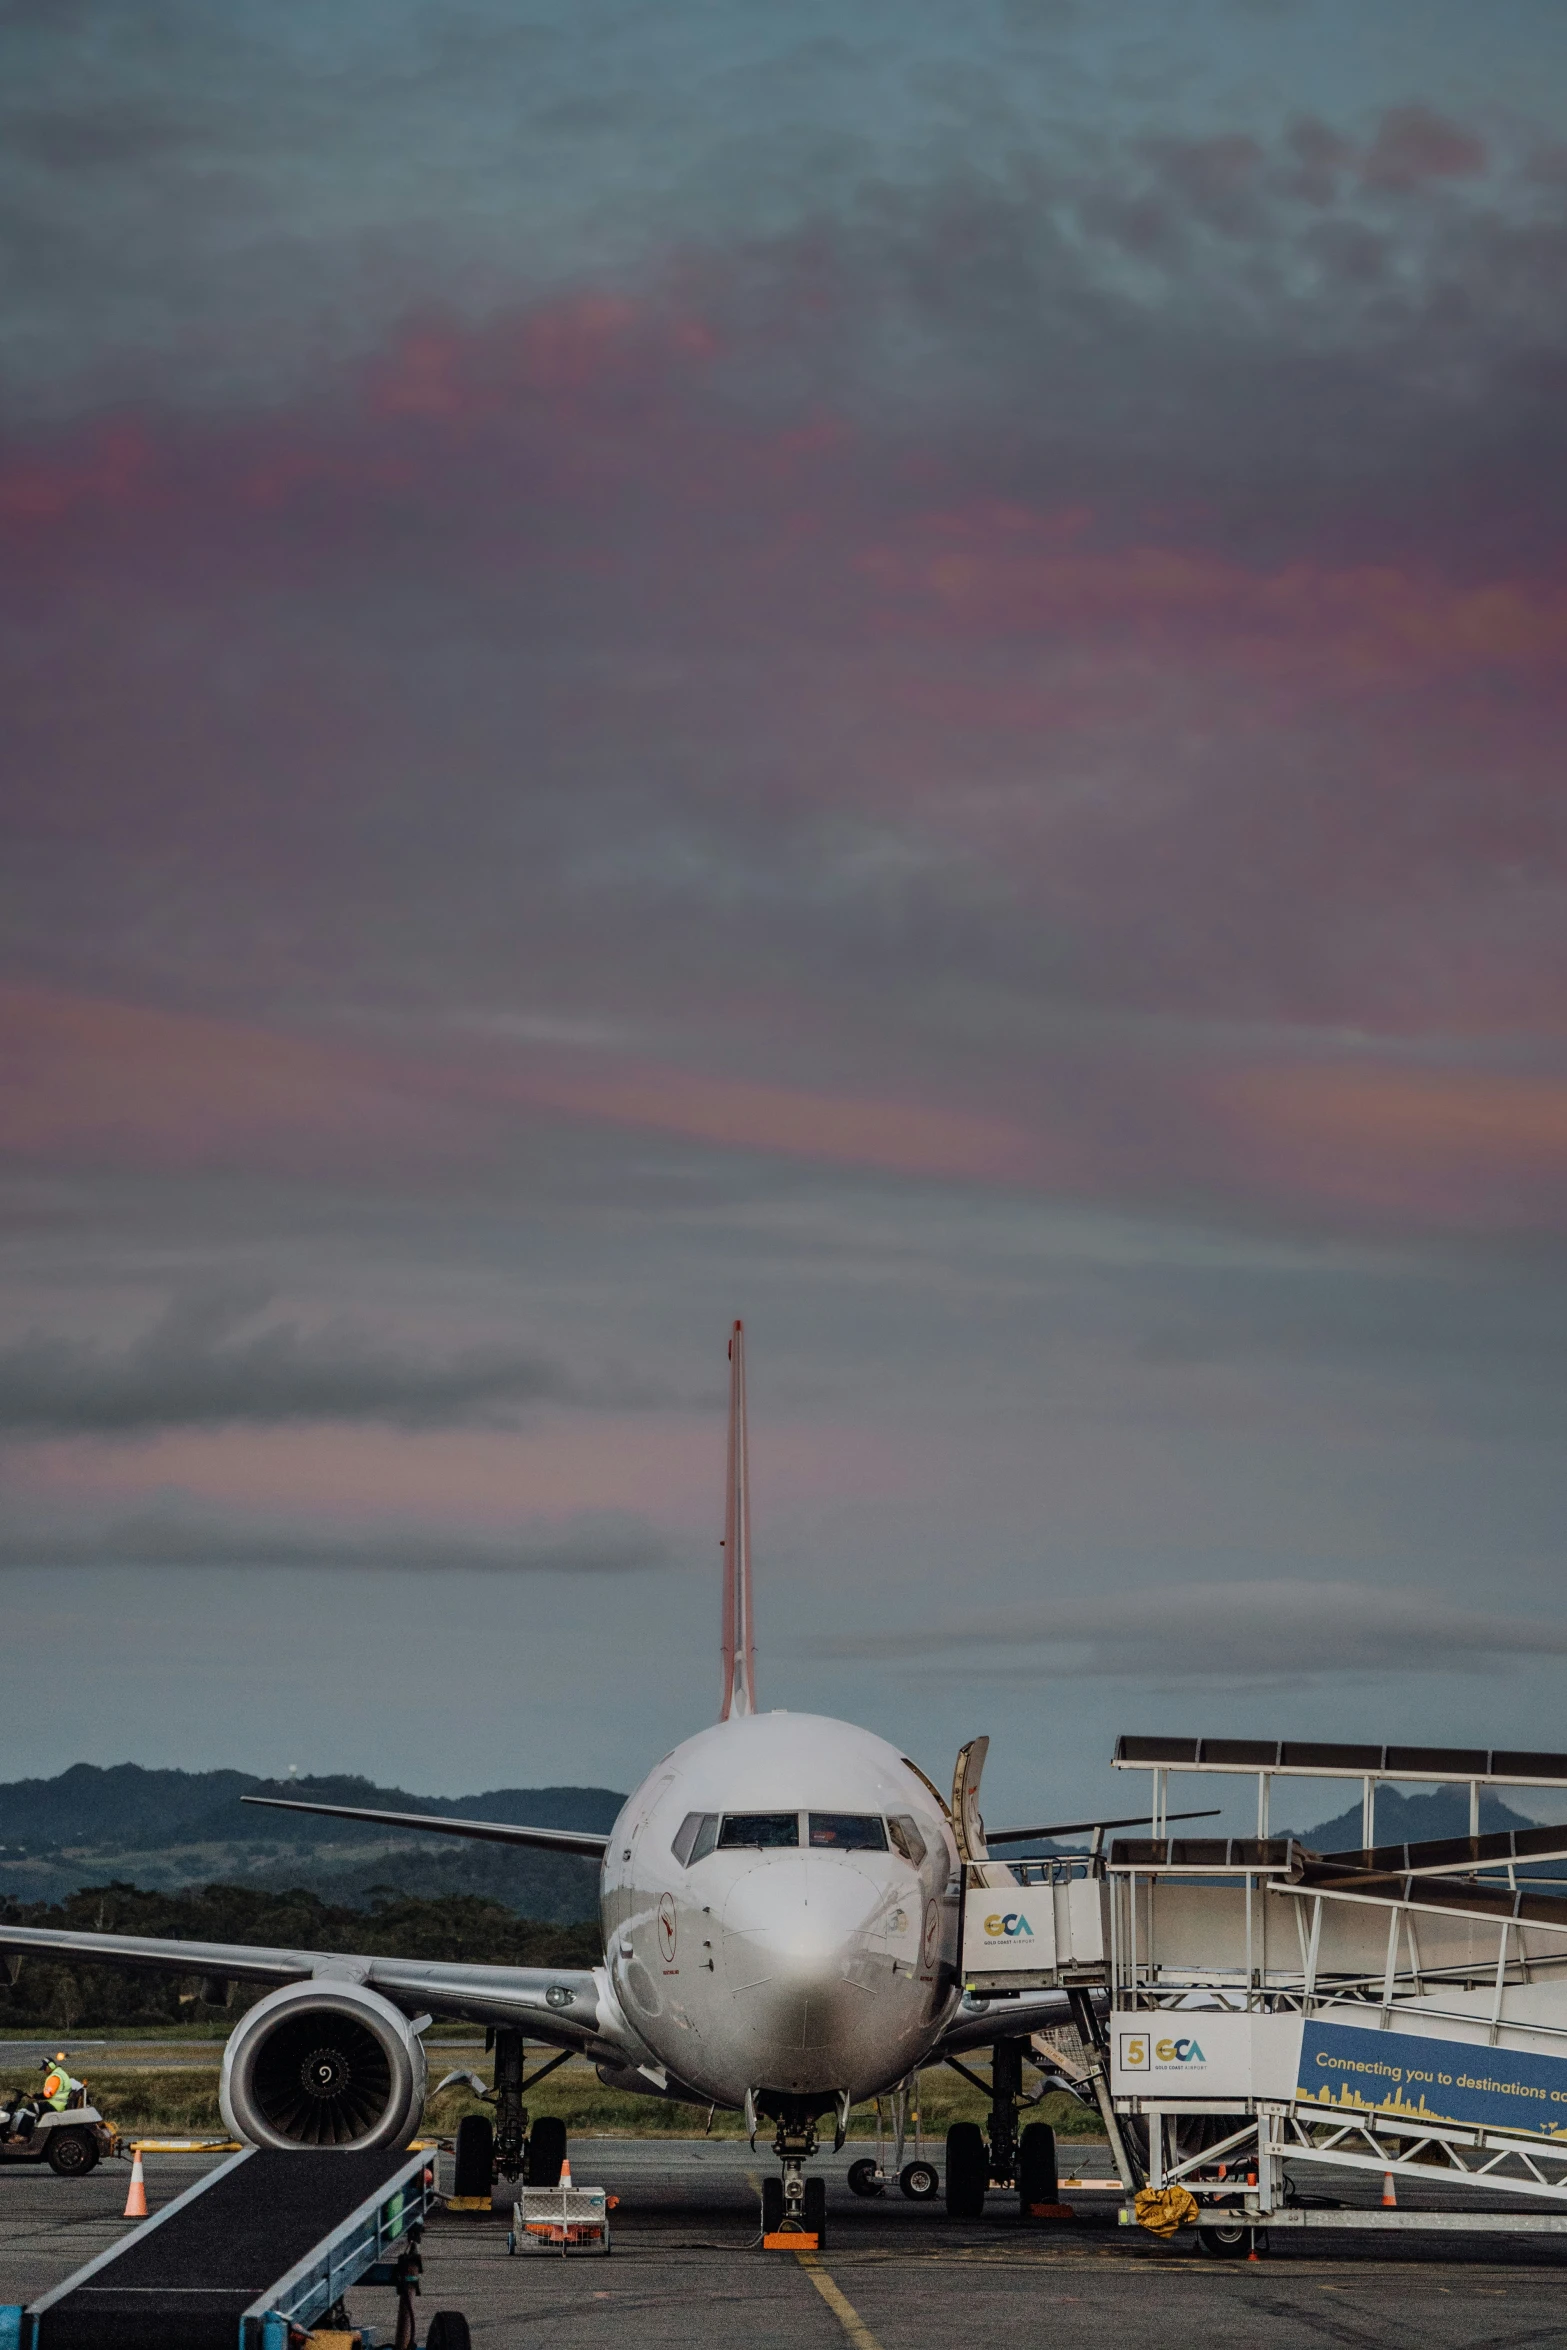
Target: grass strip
186,2098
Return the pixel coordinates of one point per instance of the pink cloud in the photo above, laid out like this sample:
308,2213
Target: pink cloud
1000,571
92,1081
1413,145
105,467
1460,1146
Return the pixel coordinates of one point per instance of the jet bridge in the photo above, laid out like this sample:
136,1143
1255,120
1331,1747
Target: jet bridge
1260,2012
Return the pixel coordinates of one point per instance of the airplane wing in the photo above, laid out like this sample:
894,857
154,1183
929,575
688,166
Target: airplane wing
1062,1827
571,2007
582,1840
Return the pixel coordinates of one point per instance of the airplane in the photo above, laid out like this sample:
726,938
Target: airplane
780,1900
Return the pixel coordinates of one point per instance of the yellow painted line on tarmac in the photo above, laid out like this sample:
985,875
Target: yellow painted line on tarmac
838,2302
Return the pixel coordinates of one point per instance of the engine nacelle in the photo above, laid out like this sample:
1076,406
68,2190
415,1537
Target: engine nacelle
323,2063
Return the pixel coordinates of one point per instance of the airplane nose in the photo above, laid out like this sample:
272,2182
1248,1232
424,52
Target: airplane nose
795,1949
804,1911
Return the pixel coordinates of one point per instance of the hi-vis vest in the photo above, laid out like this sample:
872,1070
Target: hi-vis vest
58,2085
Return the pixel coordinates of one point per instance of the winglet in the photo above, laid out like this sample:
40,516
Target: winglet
739,1635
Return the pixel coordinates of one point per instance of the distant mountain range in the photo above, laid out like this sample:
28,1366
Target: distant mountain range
1413,1819
165,1829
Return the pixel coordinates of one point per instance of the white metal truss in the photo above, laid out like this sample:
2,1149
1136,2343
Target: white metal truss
1461,2158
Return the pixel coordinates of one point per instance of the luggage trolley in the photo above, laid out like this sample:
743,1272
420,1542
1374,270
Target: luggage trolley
560,2219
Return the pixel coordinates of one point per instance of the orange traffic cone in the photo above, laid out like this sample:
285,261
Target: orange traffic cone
565,2170
1389,2192
136,2200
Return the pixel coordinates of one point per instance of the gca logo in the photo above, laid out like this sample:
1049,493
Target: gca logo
1014,1922
1139,2053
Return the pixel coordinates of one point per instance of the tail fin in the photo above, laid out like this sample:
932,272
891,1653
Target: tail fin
739,1635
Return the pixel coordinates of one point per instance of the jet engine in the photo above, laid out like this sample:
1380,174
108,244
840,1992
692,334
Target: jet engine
323,2064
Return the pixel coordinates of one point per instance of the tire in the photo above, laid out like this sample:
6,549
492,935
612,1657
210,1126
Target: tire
968,2170
1038,2181
448,2331
863,2179
473,2171
71,2154
546,2151
920,2181
1230,2242
815,2212
772,2206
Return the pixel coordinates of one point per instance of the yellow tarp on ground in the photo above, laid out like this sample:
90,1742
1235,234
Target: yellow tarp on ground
1164,2209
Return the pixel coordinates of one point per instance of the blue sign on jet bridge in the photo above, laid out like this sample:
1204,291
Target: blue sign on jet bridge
1352,2069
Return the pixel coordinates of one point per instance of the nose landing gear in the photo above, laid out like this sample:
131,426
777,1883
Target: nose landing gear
794,2208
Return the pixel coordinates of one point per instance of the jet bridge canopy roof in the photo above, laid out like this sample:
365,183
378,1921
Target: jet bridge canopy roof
1500,1765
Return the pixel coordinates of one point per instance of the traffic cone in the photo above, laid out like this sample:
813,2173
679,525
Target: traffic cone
565,2170
1389,2192
136,2200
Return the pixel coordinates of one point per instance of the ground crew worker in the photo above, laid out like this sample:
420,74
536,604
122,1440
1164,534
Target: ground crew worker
58,2084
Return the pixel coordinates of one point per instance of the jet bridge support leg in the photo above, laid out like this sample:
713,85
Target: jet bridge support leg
1091,2031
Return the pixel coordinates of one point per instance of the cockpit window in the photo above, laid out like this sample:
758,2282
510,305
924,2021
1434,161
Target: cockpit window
848,1831
907,1838
695,1837
758,1831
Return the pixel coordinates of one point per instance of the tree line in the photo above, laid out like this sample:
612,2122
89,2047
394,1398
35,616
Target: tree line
48,1994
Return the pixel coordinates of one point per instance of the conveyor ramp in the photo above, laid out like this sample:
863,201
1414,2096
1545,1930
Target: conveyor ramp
264,2234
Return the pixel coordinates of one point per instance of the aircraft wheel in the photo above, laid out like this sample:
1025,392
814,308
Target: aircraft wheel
863,2179
546,2151
473,2168
71,2153
448,2331
815,2212
968,2170
920,2181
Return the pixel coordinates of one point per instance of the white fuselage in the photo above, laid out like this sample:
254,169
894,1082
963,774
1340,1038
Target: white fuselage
811,1969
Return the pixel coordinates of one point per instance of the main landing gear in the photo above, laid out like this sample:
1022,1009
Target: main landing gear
1024,2160
505,2147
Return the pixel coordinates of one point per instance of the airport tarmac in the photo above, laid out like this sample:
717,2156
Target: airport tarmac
685,2273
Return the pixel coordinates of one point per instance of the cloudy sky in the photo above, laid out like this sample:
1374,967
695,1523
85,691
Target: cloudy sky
894,670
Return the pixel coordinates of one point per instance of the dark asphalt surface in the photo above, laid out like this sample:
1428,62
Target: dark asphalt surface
685,2271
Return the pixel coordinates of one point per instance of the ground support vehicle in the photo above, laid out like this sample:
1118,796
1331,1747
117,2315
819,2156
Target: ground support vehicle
1259,2015
254,2255
71,2142
872,2174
